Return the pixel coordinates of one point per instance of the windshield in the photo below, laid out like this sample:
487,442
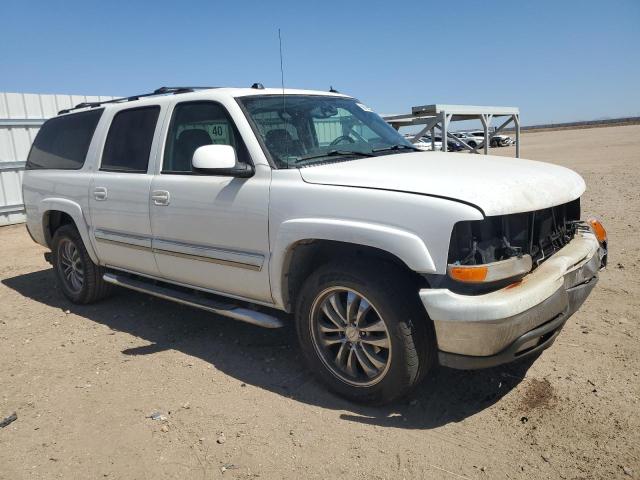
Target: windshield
300,130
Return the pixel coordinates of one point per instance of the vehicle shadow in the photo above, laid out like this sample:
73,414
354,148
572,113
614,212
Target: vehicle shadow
270,359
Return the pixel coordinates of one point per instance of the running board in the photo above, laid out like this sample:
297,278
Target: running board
226,309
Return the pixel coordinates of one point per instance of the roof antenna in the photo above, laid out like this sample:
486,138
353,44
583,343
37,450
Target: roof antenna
281,69
284,101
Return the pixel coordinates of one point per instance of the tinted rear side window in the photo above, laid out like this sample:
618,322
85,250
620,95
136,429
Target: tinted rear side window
129,140
62,142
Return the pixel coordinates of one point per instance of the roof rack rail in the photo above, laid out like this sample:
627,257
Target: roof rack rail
157,91
163,90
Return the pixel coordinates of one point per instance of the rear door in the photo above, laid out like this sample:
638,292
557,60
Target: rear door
119,192
210,231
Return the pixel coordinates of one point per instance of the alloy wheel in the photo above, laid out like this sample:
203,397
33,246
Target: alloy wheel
71,265
350,336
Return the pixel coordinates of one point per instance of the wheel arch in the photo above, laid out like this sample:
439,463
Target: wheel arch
60,211
401,247
304,256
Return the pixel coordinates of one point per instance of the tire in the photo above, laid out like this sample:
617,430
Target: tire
401,350
472,144
79,278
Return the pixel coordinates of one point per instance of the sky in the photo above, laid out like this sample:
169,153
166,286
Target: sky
556,60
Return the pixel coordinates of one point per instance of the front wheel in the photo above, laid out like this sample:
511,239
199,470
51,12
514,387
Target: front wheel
363,332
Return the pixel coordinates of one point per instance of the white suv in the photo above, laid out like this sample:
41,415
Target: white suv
497,140
305,207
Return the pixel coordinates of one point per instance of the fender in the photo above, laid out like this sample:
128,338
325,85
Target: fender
75,211
404,244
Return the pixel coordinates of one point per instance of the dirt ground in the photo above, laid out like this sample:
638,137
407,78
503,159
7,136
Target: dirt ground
238,403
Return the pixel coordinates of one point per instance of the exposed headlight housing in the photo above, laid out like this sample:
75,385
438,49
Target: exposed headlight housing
509,246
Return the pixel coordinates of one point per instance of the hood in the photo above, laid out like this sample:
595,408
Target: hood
496,185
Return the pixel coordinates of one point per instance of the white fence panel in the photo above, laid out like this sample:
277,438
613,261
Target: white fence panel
21,115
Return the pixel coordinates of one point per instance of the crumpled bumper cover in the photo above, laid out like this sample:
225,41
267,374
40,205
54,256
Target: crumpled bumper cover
478,331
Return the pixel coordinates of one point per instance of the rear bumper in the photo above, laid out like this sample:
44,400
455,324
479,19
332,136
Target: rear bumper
478,331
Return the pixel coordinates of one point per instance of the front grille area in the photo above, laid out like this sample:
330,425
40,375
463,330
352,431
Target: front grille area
539,233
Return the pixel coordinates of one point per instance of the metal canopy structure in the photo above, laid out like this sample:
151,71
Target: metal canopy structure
440,116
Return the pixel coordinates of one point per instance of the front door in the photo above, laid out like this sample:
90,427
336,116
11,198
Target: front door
119,192
210,231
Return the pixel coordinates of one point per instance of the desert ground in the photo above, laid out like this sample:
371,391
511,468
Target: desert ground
236,402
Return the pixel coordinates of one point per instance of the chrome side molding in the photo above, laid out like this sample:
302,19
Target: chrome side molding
225,309
221,256
250,261
123,239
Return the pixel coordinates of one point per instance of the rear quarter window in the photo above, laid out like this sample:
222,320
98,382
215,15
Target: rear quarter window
62,142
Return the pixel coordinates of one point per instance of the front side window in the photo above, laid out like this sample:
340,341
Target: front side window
63,142
299,130
129,140
193,125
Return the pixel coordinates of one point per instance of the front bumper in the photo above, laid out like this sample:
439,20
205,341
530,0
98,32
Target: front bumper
479,331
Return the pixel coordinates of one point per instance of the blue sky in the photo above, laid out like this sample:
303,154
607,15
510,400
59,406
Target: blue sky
556,60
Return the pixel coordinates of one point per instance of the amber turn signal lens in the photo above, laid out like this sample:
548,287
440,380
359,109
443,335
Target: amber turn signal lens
598,229
468,274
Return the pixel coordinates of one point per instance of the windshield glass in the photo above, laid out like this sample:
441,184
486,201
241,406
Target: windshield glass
301,130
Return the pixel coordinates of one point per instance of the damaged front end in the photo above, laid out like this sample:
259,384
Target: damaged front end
512,283
488,254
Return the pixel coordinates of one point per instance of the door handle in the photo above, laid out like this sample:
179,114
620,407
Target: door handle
160,197
100,193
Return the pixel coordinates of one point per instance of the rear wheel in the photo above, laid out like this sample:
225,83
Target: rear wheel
363,332
80,279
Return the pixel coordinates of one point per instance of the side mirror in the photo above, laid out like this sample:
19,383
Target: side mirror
219,160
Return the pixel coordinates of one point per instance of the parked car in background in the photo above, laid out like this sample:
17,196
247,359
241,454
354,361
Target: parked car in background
497,140
425,144
452,145
469,139
306,208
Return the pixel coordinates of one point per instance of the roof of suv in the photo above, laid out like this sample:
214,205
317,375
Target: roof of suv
165,93
244,92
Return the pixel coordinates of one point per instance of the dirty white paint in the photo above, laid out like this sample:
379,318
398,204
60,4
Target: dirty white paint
21,115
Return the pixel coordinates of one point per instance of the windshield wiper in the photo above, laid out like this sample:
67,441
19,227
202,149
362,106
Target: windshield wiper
335,153
396,147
